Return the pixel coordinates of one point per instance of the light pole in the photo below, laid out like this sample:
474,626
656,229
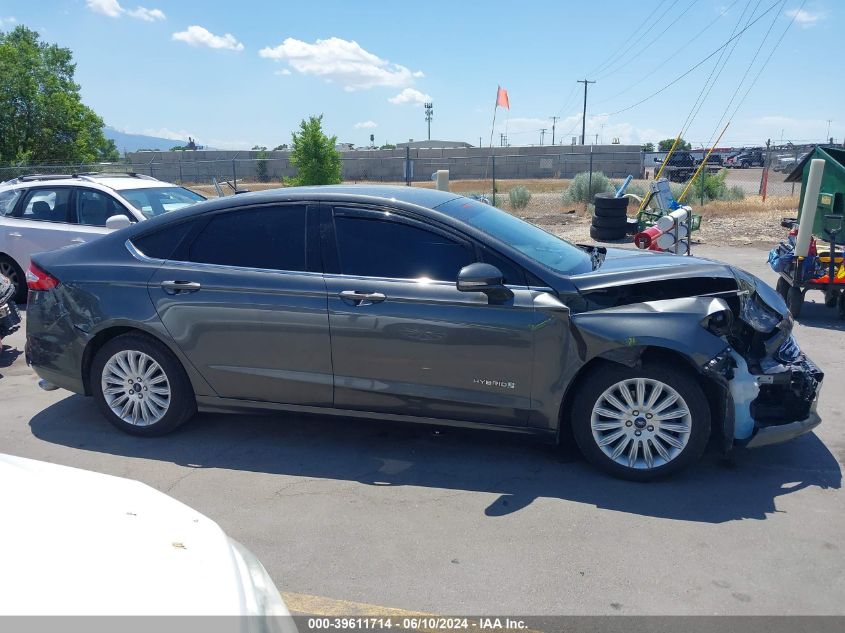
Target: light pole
429,114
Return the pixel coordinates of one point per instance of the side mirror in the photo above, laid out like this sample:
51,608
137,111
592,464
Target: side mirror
117,222
486,278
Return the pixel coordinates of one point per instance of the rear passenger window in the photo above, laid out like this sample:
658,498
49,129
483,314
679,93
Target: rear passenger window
268,237
47,205
162,243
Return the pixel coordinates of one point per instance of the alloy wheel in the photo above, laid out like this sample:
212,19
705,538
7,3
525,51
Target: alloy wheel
641,423
136,388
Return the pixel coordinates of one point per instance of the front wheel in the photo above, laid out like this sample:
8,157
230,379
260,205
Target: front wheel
140,386
643,423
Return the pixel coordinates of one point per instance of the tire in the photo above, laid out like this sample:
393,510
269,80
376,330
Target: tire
668,450
610,212
782,287
745,164
620,222
840,305
831,298
610,201
607,235
795,301
10,269
180,400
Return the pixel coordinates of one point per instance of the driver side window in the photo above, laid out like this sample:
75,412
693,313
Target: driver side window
384,248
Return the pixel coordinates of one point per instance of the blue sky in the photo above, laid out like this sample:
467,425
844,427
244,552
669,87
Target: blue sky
235,74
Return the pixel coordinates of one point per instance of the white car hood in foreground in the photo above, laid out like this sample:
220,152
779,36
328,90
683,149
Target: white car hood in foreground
78,542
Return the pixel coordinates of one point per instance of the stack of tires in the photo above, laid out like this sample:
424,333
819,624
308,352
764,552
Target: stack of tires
610,220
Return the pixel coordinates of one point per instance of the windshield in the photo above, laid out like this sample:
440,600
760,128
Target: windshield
530,240
153,201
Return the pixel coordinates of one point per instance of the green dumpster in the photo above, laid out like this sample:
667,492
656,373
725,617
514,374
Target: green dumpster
832,193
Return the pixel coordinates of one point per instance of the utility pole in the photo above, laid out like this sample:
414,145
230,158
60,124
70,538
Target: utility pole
829,121
429,114
597,139
542,135
501,139
554,120
584,81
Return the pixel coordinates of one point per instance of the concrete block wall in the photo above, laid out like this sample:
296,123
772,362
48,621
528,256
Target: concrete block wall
558,161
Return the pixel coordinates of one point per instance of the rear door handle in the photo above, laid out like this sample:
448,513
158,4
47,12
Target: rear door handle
14,234
77,240
180,287
361,298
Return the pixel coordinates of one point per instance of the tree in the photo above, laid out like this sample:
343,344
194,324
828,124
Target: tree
666,144
388,146
261,166
41,115
648,147
314,155
259,148
279,148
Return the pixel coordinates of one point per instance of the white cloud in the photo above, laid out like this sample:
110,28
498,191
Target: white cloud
175,135
112,9
526,130
410,95
284,72
147,15
9,21
341,61
365,125
804,18
199,36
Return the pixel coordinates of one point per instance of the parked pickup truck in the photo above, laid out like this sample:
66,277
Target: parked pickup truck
682,165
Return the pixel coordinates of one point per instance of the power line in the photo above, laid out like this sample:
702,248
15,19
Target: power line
628,60
707,87
615,55
667,58
699,63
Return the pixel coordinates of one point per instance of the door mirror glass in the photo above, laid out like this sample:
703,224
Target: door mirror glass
117,222
486,278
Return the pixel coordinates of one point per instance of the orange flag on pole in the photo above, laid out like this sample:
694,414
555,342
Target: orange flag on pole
502,98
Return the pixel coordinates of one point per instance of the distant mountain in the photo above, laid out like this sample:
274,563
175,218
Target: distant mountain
133,142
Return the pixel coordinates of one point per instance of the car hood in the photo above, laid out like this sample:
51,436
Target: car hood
623,266
76,542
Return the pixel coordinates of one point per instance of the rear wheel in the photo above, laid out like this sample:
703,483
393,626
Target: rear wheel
140,386
10,270
795,301
641,423
782,287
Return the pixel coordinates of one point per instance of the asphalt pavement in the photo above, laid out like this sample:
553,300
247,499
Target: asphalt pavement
466,522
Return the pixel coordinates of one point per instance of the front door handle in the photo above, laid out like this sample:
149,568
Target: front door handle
361,298
180,287
77,240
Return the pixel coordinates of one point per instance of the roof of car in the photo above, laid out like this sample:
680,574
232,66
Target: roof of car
116,182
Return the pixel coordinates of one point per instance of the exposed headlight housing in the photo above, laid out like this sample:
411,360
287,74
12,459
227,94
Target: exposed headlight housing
719,323
760,306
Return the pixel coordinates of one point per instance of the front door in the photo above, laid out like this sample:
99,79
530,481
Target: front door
248,308
405,340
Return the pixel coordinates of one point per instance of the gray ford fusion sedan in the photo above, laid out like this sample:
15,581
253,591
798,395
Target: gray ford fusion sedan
415,305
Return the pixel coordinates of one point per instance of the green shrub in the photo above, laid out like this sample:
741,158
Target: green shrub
736,193
519,197
314,155
635,188
582,190
261,171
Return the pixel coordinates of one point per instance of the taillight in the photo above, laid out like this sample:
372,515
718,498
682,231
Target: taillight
39,279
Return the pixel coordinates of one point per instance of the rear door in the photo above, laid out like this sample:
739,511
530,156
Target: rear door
405,340
39,222
246,303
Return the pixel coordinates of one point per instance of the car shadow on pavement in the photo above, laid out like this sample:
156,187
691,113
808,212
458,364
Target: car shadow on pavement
520,470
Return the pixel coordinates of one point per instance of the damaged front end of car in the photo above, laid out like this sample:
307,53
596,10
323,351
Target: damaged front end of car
771,386
732,327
